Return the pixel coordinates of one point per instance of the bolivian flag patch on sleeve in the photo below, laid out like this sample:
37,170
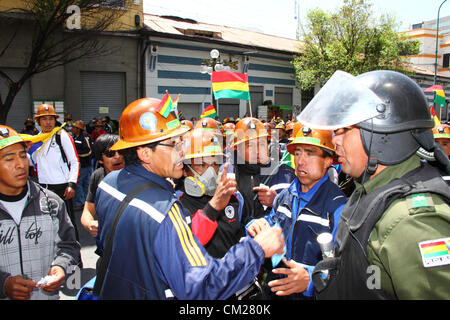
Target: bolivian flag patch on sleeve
435,253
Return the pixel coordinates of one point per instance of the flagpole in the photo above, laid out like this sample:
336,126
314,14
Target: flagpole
217,101
250,106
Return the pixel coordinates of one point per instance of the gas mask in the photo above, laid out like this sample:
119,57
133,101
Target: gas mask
199,185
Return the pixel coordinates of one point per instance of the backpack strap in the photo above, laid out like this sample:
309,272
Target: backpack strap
63,154
104,260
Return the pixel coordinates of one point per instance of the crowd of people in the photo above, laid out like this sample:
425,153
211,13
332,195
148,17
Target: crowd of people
235,209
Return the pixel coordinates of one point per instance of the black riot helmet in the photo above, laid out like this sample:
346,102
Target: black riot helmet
403,126
405,102
389,108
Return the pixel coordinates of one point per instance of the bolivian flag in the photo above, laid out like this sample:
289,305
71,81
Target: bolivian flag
227,84
437,123
209,112
165,105
439,97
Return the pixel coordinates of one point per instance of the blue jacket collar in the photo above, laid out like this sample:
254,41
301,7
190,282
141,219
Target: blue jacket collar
295,188
140,171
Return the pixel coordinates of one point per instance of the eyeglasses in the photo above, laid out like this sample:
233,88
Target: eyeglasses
177,145
110,153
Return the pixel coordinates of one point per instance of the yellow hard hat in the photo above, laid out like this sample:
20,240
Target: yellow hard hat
9,136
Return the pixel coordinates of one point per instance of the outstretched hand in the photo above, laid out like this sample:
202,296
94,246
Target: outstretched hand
297,279
258,226
227,186
265,195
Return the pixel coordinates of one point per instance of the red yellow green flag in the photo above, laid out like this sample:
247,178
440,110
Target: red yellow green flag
439,97
437,123
227,84
209,112
165,105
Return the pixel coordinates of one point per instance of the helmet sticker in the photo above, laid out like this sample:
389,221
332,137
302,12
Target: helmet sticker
173,124
148,121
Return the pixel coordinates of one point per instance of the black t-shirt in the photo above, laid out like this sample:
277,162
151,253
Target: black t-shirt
229,230
96,177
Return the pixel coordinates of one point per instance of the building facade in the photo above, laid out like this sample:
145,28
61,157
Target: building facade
85,88
423,64
178,49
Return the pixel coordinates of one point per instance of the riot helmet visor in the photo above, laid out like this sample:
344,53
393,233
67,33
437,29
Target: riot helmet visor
343,101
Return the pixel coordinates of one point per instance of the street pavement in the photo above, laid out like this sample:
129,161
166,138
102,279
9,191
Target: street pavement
89,258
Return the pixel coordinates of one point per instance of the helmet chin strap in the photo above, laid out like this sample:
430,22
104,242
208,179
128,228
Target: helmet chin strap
372,163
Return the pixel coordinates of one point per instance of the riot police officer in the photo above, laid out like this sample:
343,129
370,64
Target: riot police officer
393,237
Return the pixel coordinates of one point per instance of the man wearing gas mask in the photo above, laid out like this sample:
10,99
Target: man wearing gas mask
393,238
210,197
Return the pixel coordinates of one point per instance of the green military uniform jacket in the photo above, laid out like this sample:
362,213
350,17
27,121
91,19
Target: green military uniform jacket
411,242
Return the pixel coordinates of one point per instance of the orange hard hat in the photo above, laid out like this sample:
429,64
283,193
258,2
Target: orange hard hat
187,123
290,125
442,132
249,128
9,136
208,123
45,110
78,124
141,123
228,127
315,137
202,143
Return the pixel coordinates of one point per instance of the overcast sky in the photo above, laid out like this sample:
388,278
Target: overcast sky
279,17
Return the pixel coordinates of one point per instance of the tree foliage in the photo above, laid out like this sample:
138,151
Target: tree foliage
351,39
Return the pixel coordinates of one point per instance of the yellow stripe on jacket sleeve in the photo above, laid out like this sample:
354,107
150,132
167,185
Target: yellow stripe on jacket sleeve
180,236
190,248
192,240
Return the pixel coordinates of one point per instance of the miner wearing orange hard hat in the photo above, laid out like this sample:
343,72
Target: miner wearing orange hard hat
311,205
155,254
210,197
56,159
258,174
441,135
